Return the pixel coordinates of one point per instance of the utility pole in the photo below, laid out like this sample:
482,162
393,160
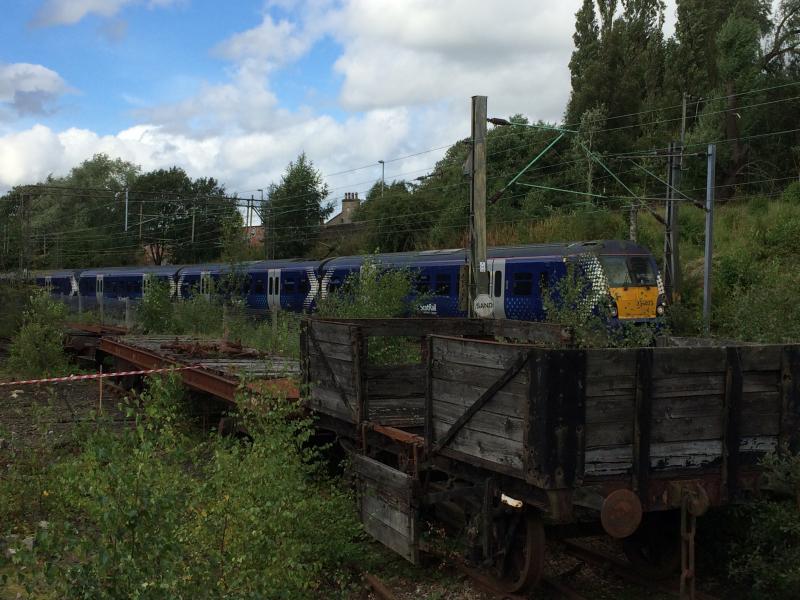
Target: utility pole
126,209
141,208
710,177
383,175
263,223
479,283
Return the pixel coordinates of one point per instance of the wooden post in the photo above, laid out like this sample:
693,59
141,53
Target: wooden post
100,409
479,283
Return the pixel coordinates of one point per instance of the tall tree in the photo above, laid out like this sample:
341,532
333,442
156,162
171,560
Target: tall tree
296,208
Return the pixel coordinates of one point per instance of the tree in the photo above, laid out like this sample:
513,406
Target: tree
296,208
172,207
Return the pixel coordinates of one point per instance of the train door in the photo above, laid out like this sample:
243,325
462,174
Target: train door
205,283
497,285
274,289
48,284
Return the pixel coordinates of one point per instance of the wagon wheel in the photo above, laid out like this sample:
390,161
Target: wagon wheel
654,549
520,567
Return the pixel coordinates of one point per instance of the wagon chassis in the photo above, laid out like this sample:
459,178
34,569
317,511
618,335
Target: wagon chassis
512,436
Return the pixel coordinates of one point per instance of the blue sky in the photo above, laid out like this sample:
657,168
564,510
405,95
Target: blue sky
236,90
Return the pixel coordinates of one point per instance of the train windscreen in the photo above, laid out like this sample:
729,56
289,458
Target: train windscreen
624,271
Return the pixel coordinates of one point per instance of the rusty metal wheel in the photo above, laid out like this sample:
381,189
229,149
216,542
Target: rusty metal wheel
655,547
521,565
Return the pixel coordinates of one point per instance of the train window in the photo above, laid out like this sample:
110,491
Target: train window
443,283
277,285
270,286
523,284
258,286
423,283
288,286
641,270
498,284
305,286
335,284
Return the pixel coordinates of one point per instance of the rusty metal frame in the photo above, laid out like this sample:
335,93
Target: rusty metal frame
196,378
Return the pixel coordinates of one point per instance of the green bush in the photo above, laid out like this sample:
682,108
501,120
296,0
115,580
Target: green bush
376,292
154,313
765,551
37,349
13,300
791,194
157,511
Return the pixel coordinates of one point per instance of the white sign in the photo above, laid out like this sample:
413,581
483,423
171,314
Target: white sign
482,266
483,306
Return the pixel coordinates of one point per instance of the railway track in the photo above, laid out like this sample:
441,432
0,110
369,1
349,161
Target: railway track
554,584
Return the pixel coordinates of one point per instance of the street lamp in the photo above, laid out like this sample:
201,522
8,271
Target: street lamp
383,175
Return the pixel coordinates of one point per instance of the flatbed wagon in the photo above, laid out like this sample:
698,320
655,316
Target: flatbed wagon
505,432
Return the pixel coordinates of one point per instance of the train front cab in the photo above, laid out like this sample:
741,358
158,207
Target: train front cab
634,286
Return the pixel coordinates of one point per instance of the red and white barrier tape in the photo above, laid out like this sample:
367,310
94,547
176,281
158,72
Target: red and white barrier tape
94,376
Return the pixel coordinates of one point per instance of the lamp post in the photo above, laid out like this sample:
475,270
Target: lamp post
383,175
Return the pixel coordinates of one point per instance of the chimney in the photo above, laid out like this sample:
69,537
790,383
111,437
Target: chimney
349,205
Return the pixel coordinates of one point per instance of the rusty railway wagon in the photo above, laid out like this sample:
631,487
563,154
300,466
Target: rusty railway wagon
507,442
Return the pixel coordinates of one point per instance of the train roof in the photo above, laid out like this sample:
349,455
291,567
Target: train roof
459,255
248,267
163,270
58,273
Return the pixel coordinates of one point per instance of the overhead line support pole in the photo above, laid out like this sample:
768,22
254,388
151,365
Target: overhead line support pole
712,159
479,279
126,209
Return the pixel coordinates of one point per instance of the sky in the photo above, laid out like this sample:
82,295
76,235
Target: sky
235,90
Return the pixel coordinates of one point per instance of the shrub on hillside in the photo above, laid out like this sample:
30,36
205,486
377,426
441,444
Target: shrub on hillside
37,349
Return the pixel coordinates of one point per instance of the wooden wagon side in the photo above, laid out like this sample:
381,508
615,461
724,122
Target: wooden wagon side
588,422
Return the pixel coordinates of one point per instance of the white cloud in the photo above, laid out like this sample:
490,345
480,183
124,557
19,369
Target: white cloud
408,69
69,12
418,52
28,89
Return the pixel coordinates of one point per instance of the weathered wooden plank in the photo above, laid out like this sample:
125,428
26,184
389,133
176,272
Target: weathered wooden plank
462,394
610,363
392,513
327,331
337,351
761,402
686,429
395,388
677,361
475,353
688,406
483,421
389,537
606,462
482,445
760,358
342,370
761,381
599,435
611,409
764,424
604,386
703,384
387,478
480,377
328,401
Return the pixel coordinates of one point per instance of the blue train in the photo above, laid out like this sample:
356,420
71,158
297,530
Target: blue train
519,277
